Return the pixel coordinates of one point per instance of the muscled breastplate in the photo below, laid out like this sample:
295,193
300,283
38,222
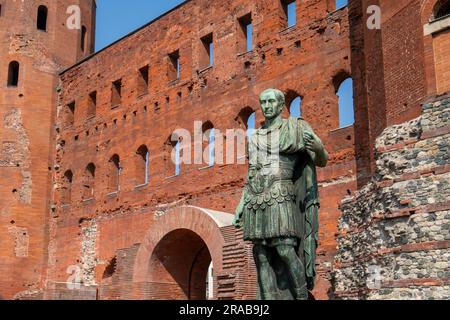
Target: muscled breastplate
270,180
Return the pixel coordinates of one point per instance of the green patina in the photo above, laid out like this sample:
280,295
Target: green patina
279,207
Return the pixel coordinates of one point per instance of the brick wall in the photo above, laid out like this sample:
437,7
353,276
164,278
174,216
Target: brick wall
302,60
27,118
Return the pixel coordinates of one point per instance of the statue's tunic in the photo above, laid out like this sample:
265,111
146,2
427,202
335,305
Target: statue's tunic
270,207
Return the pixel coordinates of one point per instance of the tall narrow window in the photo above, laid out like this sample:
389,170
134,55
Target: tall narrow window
69,114
116,94
212,147
42,18
207,51
13,74
92,104
173,156
83,38
177,148
142,83
174,66
142,163
88,182
246,33
290,11
66,188
295,108
209,141
346,108
114,173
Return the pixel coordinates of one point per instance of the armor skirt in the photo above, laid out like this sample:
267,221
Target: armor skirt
278,220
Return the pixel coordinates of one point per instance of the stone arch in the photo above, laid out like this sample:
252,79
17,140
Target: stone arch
292,95
199,233
339,77
430,8
243,116
291,89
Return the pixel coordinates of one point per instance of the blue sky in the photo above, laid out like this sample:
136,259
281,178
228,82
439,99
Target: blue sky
116,19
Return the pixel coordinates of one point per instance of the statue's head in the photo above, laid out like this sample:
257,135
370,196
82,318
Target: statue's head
272,103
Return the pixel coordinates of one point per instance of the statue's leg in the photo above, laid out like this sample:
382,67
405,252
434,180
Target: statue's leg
266,279
296,269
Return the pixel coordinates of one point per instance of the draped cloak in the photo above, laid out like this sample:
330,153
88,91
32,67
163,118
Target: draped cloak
305,190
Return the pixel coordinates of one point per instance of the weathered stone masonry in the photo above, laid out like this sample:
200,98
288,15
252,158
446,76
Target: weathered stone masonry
394,240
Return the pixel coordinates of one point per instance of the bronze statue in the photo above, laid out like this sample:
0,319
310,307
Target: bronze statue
279,207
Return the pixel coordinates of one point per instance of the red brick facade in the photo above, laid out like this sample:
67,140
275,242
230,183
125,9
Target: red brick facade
130,237
27,121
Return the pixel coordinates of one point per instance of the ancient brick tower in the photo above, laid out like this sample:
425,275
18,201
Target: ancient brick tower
36,45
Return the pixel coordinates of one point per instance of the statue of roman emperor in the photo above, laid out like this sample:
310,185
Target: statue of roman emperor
279,207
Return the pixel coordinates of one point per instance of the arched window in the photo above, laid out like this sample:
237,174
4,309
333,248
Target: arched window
142,162
114,173
295,109
173,155
341,4
251,124
346,107
88,182
441,9
66,188
209,145
42,18
83,38
13,74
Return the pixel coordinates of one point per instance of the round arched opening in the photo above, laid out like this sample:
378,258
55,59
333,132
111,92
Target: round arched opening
181,262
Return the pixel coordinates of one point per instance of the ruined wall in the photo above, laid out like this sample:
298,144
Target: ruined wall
302,60
26,123
394,240
394,68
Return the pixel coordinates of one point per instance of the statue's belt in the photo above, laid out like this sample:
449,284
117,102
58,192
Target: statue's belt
277,192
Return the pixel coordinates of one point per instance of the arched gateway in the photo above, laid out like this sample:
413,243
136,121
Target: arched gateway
177,252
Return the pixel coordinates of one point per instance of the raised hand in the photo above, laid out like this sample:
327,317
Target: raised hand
312,142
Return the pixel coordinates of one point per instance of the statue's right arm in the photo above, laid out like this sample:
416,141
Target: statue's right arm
237,222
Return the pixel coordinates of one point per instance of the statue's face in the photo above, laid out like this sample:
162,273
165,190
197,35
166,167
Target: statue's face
270,105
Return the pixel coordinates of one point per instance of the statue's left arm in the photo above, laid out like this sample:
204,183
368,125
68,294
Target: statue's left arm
314,146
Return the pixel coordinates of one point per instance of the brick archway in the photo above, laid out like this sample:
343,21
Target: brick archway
178,249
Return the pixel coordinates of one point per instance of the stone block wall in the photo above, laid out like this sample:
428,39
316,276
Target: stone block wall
394,240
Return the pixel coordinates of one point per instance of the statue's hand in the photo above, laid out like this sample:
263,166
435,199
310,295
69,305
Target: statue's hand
312,142
237,221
